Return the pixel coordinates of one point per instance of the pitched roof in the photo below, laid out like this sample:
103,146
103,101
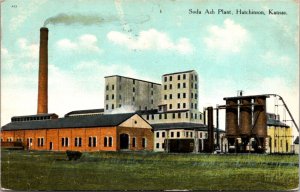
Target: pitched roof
274,122
180,72
132,79
296,140
182,125
85,112
71,122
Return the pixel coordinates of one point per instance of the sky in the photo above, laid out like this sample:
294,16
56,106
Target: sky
90,39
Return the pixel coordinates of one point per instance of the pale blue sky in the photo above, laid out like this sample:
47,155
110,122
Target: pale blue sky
145,39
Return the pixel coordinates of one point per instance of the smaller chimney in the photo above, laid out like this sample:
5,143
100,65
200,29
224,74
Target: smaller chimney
43,72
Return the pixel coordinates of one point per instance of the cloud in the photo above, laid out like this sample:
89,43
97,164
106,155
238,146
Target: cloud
151,40
229,38
30,51
24,12
273,59
87,42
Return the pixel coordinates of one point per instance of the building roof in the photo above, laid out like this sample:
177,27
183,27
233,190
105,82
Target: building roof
246,97
274,122
296,140
71,122
179,72
132,79
182,125
85,112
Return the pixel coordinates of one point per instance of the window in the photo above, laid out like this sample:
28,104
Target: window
275,143
112,106
170,106
170,96
120,97
195,85
192,116
186,134
195,105
179,115
184,76
165,116
178,95
178,85
173,115
112,96
163,134
133,89
105,141
133,99
170,78
191,76
192,95
178,134
192,105
110,143
107,98
186,115
192,85
10,139
195,116
147,117
184,85
178,77
172,134
165,87
178,105
106,107
205,135
133,142
151,85
166,97
166,79
40,142
191,134
196,96
163,145
152,116
200,134
77,141
92,141
170,86
157,134
65,142
144,142
157,145
113,87
133,81
107,87
195,77
159,116
151,101
184,95
183,105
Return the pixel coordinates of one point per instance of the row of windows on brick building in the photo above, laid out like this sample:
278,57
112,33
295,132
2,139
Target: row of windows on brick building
179,77
120,87
174,116
172,134
179,96
179,86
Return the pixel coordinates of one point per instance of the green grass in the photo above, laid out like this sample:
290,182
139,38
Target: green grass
23,170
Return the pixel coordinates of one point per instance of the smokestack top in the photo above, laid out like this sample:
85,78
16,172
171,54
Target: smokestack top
44,29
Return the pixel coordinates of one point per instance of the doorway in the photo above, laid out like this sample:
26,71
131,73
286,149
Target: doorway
51,146
124,140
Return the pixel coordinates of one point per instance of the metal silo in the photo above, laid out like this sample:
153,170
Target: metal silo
260,117
231,118
245,117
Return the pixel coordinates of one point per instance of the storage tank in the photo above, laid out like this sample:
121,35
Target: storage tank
245,117
260,117
231,118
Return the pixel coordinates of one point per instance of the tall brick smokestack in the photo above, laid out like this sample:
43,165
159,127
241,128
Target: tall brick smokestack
43,72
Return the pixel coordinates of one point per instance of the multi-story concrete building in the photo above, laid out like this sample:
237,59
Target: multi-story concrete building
128,92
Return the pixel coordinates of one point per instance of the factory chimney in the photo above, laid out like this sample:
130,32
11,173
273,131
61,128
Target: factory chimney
43,72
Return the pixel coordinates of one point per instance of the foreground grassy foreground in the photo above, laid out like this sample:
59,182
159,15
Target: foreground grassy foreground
23,170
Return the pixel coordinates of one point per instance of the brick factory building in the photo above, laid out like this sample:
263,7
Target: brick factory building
111,132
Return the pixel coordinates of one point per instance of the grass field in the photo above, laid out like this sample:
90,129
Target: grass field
23,170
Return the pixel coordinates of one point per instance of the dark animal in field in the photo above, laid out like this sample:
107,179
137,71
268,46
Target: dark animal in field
73,155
